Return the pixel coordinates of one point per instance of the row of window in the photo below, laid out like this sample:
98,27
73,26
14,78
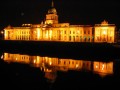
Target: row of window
22,57
104,39
72,32
76,32
23,38
52,17
73,38
68,62
23,32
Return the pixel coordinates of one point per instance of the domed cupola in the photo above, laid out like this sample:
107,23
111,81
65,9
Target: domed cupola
51,16
52,10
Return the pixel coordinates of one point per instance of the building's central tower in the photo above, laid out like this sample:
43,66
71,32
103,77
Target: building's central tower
51,16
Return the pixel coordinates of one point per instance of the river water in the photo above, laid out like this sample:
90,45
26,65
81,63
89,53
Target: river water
24,71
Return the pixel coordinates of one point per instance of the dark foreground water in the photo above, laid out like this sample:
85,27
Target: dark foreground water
22,71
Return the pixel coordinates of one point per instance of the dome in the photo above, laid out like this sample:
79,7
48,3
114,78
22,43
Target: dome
52,11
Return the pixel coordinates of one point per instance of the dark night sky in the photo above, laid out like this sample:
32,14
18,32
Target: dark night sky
16,12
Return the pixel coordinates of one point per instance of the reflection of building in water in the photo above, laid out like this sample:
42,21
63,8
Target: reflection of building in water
47,62
51,65
103,68
50,29
16,58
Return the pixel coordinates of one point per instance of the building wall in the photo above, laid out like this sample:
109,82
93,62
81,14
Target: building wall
105,32
70,33
36,33
87,34
18,33
51,19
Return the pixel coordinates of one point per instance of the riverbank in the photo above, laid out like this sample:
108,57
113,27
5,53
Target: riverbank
62,49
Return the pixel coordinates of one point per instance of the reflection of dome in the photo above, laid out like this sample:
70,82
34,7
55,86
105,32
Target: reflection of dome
52,11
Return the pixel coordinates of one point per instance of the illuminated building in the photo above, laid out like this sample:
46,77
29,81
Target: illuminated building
103,68
52,30
105,32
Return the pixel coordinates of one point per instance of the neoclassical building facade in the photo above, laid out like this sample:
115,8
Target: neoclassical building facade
52,30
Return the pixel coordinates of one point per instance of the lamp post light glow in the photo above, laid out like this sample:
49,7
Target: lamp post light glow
2,32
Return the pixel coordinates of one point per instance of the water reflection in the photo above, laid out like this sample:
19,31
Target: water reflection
51,65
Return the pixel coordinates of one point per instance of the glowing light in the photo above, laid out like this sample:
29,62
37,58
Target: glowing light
44,70
96,66
50,34
41,68
5,34
50,63
103,66
46,35
104,32
38,60
38,33
77,65
2,32
34,61
78,32
2,57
